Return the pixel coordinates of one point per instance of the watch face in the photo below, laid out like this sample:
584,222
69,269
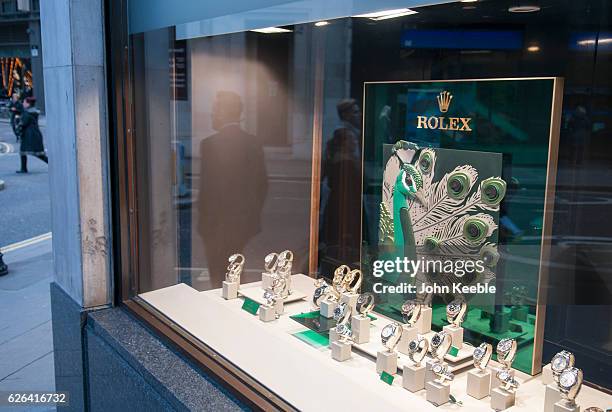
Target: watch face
268,295
567,379
387,331
437,368
408,307
504,345
559,362
504,375
479,352
338,312
453,308
413,346
342,329
436,340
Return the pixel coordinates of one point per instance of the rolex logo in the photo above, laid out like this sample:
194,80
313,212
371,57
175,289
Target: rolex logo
444,100
443,122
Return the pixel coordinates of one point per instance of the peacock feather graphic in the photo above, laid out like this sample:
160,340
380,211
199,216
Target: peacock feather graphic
443,218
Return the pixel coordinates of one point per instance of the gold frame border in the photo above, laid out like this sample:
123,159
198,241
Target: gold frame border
549,195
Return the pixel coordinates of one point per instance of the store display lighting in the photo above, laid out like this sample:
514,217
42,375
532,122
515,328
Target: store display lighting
524,9
270,30
591,42
387,14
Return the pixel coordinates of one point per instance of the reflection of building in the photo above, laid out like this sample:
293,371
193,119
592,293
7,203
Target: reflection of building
21,49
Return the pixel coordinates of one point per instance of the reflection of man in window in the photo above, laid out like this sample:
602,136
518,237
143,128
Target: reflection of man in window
341,231
233,186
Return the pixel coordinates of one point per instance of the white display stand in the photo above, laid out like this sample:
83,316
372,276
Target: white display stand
565,406
267,313
386,362
408,334
429,374
552,395
502,399
327,308
229,290
413,378
423,324
333,335
279,307
360,326
341,351
437,393
350,299
478,384
266,280
547,375
456,333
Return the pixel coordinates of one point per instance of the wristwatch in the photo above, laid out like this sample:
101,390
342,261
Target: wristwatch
417,349
441,343
570,382
391,335
506,350
411,312
482,355
560,362
365,303
455,312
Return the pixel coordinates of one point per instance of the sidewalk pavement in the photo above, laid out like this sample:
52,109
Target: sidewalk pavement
26,340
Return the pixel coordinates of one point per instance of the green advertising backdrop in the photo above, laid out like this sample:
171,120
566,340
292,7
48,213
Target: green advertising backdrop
480,129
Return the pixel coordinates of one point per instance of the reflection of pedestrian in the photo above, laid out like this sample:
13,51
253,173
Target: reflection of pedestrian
15,109
341,228
233,186
30,135
3,267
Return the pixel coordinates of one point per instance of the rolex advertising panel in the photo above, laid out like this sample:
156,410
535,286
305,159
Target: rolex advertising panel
443,220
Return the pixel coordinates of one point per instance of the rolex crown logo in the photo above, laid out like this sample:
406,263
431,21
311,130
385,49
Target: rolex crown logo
444,100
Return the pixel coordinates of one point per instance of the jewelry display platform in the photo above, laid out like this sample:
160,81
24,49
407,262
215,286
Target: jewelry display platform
294,370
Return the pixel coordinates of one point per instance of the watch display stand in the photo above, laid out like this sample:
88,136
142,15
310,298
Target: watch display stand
552,395
279,307
429,374
413,377
267,313
408,334
266,280
230,290
478,384
333,335
327,308
350,299
360,326
456,333
437,393
547,375
566,406
386,362
423,324
341,351
502,399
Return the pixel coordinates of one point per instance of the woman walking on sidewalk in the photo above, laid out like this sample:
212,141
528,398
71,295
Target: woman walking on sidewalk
31,138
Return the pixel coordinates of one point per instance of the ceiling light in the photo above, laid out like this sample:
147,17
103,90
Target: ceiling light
321,23
533,49
269,30
387,14
591,42
524,9
468,1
